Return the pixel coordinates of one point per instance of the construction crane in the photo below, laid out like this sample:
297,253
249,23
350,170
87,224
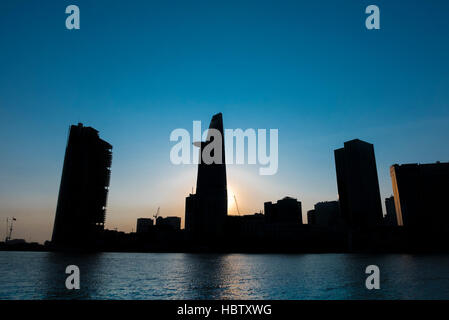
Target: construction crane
236,205
8,236
157,214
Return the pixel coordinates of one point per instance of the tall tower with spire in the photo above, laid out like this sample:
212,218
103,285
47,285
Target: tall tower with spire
206,210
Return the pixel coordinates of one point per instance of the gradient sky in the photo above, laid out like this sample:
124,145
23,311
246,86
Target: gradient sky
136,70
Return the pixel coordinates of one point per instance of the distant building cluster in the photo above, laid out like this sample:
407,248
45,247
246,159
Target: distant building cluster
419,202
145,225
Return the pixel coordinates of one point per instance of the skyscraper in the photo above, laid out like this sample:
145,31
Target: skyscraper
421,193
358,184
206,210
81,208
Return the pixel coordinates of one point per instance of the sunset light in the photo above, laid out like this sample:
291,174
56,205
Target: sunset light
232,210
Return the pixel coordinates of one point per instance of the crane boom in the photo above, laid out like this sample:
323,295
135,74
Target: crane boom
157,213
236,204
8,236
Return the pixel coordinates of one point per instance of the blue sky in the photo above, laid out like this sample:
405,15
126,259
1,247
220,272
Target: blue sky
136,70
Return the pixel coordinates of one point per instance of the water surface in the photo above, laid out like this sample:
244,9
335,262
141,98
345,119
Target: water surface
41,275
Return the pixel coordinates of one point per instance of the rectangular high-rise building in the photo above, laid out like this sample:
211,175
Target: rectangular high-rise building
192,218
327,214
311,217
206,211
421,193
390,218
358,184
144,225
81,208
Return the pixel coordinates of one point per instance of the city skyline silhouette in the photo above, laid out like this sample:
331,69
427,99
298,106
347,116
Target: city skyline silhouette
305,213
137,77
208,159
354,222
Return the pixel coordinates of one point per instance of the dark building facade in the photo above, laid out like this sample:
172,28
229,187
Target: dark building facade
144,225
421,193
246,226
286,210
358,184
206,211
311,217
172,222
390,217
327,213
81,208
192,217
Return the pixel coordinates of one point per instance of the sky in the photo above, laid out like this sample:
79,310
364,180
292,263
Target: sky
137,70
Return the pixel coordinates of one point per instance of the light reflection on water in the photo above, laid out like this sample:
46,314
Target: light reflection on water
41,275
